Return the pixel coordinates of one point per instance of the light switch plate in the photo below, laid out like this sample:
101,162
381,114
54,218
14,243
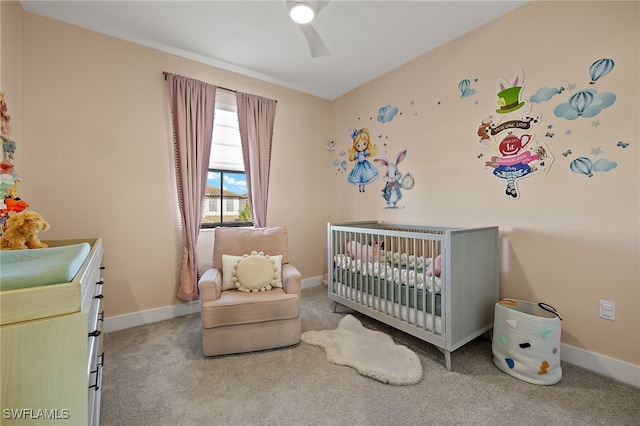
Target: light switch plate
607,310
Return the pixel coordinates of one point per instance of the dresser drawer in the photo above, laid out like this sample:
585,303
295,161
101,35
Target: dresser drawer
95,359
51,347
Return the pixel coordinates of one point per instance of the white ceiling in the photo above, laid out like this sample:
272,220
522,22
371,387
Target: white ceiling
256,38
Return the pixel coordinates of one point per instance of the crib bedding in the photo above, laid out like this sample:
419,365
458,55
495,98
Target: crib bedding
392,291
403,269
45,266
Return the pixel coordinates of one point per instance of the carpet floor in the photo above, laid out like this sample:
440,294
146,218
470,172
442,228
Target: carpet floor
156,375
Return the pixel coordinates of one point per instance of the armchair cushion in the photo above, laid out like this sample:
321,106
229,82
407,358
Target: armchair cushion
255,272
228,262
238,307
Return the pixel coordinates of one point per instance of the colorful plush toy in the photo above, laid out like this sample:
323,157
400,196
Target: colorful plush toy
437,269
20,231
15,204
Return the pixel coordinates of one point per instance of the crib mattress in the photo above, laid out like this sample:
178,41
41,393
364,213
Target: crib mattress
36,267
390,291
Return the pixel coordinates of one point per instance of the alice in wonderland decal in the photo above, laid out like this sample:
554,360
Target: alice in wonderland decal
508,132
394,180
361,151
365,159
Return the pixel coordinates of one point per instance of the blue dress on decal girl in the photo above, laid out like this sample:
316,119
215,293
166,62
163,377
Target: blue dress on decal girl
363,171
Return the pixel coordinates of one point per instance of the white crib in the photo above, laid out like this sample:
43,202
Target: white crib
438,284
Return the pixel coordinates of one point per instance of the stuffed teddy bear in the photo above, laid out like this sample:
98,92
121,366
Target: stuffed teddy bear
20,231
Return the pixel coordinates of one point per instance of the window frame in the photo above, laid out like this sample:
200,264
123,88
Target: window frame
224,106
222,203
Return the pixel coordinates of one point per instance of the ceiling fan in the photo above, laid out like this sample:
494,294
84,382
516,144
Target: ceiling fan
302,13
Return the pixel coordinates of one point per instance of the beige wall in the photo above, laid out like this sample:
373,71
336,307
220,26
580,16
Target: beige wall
98,159
94,155
568,240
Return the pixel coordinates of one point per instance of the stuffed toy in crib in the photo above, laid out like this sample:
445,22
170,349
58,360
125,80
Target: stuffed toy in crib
435,269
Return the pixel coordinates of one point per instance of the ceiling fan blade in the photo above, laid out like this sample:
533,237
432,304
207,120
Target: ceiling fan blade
316,45
319,5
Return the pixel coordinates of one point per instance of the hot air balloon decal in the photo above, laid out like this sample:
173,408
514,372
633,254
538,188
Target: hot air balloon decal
463,86
581,101
600,68
582,165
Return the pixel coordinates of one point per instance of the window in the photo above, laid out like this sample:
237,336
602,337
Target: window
226,196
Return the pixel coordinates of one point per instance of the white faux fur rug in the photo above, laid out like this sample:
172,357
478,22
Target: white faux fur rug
372,353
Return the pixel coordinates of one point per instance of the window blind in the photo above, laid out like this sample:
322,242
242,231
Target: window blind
226,148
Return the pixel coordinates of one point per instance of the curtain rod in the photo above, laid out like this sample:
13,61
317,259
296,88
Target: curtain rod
219,87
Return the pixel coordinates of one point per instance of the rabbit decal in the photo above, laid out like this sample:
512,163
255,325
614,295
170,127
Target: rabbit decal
391,191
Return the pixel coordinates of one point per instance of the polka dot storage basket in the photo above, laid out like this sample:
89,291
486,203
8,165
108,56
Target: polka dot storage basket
526,341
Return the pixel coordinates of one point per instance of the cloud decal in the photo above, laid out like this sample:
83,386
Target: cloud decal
586,103
604,165
386,113
544,94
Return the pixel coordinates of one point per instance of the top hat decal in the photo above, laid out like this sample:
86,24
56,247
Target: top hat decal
509,94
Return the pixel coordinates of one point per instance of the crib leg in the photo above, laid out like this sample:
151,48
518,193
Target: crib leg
447,359
334,306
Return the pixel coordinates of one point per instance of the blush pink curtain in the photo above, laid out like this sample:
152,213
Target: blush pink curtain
256,116
192,105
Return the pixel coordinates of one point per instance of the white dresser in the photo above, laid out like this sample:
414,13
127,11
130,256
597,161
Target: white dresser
51,348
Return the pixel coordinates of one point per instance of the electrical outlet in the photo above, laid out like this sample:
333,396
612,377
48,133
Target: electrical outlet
608,310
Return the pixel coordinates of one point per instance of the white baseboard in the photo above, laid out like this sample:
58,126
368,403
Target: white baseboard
610,367
311,282
121,322
601,364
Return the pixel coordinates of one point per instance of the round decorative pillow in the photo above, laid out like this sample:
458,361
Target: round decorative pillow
254,272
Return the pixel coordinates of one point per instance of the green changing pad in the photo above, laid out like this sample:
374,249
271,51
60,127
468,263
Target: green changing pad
36,267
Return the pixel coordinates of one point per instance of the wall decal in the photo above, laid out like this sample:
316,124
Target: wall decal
600,68
465,88
585,103
341,166
544,94
585,166
363,171
386,113
509,93
588,103
394,180
517,151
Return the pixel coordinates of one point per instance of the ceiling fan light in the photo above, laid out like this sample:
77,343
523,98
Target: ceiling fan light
302,13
